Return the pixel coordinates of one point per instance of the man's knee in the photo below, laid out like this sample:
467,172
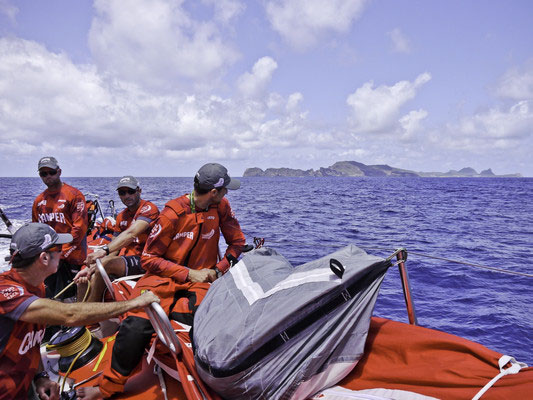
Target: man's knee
114,266
132,338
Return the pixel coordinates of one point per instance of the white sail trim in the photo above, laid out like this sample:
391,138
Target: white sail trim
252,291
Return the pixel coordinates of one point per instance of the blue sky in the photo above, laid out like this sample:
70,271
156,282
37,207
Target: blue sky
159,87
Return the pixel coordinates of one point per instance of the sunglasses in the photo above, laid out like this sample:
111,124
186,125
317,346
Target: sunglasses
128,191
42,174
55,248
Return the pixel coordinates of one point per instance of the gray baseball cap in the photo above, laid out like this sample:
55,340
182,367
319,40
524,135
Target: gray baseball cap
214,176
33,238
128,181
48,162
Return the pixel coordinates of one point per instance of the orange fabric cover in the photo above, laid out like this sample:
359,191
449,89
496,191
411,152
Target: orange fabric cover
432,363
143,385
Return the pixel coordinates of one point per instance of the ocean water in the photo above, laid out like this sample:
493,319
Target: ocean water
486,221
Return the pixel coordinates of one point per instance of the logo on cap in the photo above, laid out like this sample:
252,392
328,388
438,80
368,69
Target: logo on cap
47,241
219,183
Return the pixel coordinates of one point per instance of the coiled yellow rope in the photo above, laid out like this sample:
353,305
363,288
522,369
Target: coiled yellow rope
77,346
69,349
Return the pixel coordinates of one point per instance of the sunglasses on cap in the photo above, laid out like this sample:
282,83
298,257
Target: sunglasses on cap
46,173
123,192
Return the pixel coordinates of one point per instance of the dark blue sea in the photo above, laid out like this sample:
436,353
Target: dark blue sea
485,221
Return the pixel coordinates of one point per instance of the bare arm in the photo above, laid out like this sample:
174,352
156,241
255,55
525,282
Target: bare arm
128,235
122,240
50,312
34,215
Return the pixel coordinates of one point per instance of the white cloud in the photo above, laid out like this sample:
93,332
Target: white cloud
253,84
8,9
41,90
400,42
302,23
294,101
226,10
378,109
412,123
50,105
493,129
517,83
156,44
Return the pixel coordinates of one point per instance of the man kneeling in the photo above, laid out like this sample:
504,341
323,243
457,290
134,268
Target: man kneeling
24,313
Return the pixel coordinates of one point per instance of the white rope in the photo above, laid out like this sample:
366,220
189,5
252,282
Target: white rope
159,372
503,361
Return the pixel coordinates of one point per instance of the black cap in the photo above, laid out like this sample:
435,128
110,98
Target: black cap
31,239
214,176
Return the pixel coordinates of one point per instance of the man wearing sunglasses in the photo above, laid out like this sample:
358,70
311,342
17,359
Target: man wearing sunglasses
35,253
63,208
181,257
123,254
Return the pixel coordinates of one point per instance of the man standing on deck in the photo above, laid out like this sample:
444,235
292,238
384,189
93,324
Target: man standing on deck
35,254
132,227
181,259
63,208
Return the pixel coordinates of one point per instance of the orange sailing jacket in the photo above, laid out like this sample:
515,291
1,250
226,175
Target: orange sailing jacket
181,239
66,212
147,211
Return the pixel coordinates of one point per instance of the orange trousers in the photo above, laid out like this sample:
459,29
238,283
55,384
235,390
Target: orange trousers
179,300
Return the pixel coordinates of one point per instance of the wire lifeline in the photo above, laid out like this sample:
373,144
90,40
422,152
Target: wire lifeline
474,265
501,270
494,269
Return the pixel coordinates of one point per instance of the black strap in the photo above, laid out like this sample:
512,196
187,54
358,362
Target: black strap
336,267
279,340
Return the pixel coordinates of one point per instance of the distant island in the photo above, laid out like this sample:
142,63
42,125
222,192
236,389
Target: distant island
354,168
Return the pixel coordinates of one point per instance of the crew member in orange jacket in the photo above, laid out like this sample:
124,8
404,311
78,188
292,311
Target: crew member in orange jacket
63,208
181,259
35,252
121,257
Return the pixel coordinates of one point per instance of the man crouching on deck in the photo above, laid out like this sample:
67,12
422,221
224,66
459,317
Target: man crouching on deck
35,254
180,258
